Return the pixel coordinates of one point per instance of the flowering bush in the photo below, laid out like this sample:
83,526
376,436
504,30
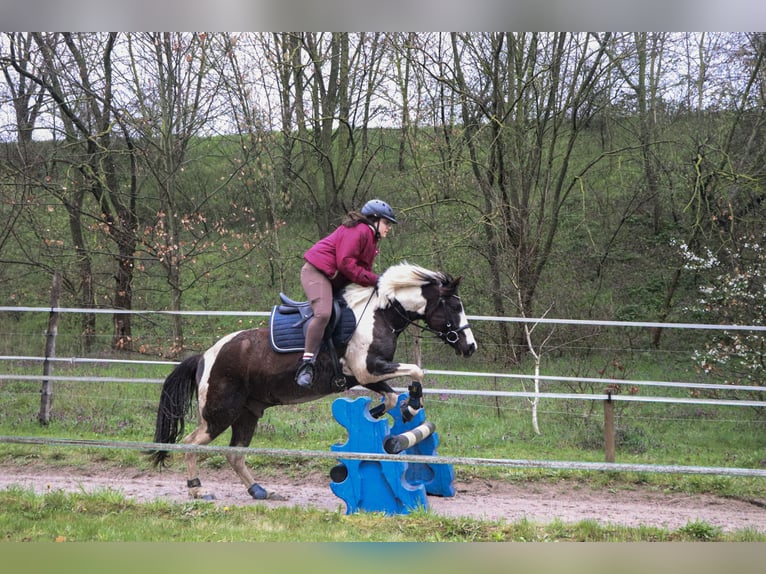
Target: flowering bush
736,295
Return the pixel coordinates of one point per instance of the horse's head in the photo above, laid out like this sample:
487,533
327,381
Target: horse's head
432,297
445,316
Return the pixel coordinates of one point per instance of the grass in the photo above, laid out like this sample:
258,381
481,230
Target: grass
108,517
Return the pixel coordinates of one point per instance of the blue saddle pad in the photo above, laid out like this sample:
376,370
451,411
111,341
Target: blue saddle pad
286,330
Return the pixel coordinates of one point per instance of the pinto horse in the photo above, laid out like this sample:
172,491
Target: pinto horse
241,375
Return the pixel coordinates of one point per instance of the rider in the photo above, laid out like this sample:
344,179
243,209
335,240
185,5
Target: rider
345,256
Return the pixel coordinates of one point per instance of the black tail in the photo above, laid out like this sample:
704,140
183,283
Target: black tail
178,392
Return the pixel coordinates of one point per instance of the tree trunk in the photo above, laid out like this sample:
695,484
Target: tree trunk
86,291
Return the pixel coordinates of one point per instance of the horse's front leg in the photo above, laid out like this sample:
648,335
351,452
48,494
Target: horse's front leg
390,398
415,400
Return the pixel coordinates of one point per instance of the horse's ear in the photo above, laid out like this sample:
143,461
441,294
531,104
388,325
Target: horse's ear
451,286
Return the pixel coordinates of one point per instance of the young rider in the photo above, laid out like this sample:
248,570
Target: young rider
345,256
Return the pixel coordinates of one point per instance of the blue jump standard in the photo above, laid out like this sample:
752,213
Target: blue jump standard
391,487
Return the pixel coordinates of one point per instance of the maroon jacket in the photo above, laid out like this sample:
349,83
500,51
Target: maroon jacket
346,256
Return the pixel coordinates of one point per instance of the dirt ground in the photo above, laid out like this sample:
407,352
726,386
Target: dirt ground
539,502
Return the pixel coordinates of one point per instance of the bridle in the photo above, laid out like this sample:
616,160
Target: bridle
450,336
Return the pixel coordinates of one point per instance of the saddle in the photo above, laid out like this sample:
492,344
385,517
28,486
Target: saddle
289,319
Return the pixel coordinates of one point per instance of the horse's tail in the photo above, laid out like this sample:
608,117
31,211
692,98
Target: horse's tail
176,399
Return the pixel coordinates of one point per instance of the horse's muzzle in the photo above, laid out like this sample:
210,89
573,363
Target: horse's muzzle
465,350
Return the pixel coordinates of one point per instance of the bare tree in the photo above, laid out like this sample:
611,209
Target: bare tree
639,59
176,79
523,101
76,73
27,99
328,92
262,164
722,205
431,146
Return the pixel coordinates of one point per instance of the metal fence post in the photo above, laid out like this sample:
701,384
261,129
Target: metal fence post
609,428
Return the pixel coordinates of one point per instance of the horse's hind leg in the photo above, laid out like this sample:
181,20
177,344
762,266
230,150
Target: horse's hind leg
241,434
199,436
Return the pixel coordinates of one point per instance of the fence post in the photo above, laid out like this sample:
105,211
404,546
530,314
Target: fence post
417,352
609,427
46,393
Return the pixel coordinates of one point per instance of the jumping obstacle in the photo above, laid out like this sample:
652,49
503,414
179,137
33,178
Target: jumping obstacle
392,487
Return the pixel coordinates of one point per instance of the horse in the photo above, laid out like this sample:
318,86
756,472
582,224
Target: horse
241,375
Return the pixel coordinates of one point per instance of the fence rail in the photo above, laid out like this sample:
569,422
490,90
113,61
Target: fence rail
435,391
460,461
541,320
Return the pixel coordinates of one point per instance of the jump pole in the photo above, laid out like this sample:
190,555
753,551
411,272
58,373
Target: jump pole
394,444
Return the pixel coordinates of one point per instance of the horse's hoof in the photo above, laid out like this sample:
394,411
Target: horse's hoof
378,411
199,496
260,493
408,413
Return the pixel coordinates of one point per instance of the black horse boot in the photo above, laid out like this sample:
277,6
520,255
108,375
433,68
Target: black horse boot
305,374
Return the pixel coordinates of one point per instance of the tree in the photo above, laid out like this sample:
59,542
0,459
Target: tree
263,164
76,73
174,101
22,166
184,98
723,207
639,58
431,137
523,100
328,90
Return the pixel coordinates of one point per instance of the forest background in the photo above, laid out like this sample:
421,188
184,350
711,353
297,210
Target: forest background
609,176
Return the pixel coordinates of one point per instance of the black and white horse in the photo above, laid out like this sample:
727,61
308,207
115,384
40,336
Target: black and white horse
241,375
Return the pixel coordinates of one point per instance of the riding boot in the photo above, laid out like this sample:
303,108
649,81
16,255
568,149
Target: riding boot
305,374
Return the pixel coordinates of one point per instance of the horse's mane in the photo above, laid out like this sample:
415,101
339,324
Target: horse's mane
400,276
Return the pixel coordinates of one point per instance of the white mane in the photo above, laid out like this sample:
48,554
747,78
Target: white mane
396,278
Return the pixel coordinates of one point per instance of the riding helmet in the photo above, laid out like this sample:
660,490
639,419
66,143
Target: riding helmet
380,209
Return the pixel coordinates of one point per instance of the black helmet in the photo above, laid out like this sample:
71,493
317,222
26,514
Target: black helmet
380,209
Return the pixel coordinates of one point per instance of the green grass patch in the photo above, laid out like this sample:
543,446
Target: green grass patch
108,517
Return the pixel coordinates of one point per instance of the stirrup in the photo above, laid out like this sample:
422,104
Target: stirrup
304,376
